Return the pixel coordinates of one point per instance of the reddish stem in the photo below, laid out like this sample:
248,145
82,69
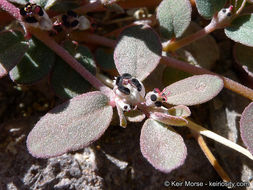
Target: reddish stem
60,51
228,83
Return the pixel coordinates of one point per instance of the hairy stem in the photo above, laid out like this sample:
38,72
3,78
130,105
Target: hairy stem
175,45
84,36
60,51
201,130
213,161
228,83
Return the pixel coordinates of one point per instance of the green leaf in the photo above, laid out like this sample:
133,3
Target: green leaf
70,126
194,90
244,57
162,146
12,49
138,51
174,17
65,81
36,63
246,127
104,58
241,29
207,8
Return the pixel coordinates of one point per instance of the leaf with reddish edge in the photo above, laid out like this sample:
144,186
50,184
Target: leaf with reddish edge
138,51
168,119
70,126
162,146
194,90
246,127
12,49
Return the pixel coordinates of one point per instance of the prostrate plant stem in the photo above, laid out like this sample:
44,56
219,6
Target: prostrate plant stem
175,45
228,83
201,130
60,51
213,161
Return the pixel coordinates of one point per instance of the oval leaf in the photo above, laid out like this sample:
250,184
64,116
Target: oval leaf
36,63
244,57
241,29
194,90
174,17
162,146
12,49
70,126
207,8
246,127
66,82
180,111
168,119
138,51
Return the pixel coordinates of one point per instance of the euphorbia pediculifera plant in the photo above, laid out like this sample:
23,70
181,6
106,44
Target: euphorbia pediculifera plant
80,121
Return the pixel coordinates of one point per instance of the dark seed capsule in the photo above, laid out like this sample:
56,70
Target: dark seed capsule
118,80
153,97
41,13
224,10
229,14
126,76
71,13
137,84
22,12
125,107
163,99
158,104
31,20
74,23
124,90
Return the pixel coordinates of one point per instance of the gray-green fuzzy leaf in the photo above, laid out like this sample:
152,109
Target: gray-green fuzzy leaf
162,146
70,126
241,29
194,90
174,17
207,8
138,51
12,49
36,63
246,127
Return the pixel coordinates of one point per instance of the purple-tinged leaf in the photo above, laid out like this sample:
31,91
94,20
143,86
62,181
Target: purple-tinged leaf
174,17
240,30
194,90
168,119
246,127
12,49
138,51
244,58
70,126
36,63
162,146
